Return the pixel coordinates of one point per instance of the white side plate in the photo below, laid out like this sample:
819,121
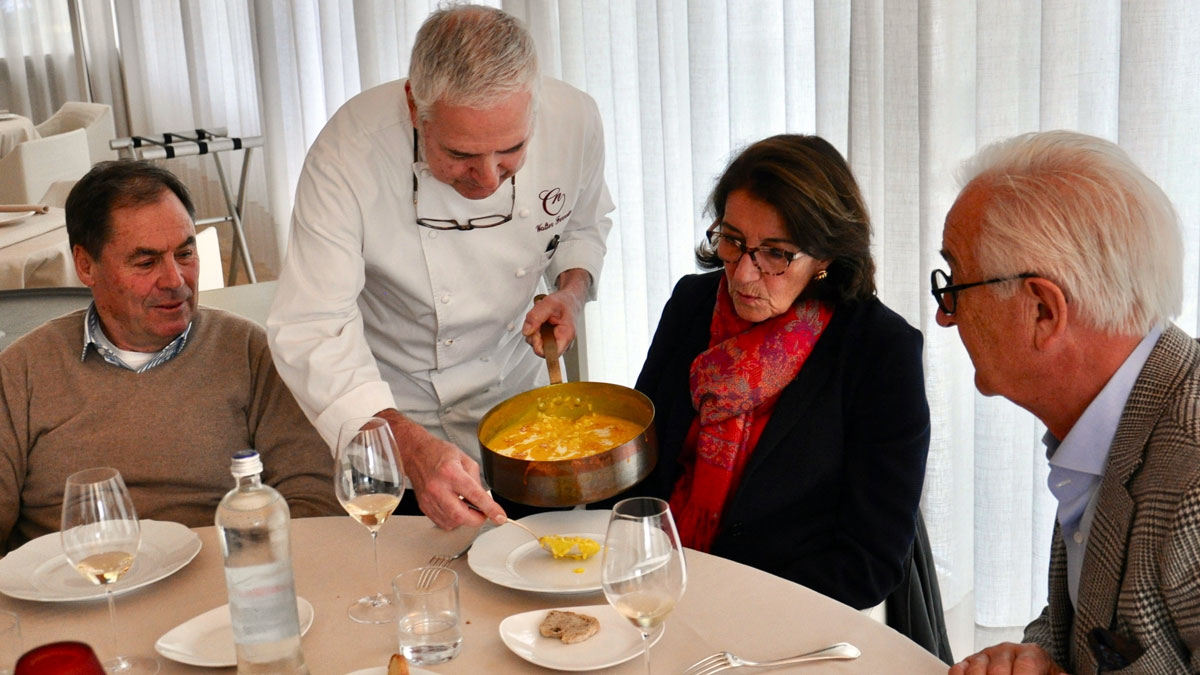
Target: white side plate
14,217
617,642
39,570
207,640
509,557
383,670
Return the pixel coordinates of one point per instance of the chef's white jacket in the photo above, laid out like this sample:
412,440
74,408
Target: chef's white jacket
374,311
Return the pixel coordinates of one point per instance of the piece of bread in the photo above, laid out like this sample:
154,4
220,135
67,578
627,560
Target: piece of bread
397,665
569,626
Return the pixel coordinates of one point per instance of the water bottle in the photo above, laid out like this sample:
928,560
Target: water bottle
253,525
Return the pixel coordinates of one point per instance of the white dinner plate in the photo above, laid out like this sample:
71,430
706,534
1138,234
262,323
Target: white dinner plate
509,557
14,217
207,640
39,570
617,642
383,670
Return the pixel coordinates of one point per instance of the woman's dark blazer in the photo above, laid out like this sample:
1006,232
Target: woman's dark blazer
829,496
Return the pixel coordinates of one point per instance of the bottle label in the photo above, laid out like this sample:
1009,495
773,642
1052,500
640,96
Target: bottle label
262,603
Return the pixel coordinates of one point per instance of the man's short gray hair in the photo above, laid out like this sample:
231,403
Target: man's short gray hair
1076,210
471,55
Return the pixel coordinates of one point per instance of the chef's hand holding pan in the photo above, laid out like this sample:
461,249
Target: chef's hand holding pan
560,308
444,479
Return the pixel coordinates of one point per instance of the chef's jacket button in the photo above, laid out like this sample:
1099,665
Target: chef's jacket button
509,327
448,341
1078,537
520,272
433,234
524,213
424,173
485,359
446,299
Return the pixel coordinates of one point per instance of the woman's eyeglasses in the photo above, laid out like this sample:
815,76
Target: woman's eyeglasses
768,259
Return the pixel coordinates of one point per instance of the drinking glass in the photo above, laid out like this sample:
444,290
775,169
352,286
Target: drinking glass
369,482
643,571
100,535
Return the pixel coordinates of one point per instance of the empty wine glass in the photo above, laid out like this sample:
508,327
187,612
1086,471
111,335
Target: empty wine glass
643,571
369,482
100,536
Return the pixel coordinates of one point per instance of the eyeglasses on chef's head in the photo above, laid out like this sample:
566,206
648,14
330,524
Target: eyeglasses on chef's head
478,223
770,260
945,291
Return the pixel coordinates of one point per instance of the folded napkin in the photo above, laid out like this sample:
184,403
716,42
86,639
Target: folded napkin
19,208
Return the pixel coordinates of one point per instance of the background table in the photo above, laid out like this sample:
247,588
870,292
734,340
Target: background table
727,606
34,253
14,130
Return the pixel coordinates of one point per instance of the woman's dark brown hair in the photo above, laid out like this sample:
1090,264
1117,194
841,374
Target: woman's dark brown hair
806,181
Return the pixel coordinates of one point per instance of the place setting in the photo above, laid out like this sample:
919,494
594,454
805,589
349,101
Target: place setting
15,213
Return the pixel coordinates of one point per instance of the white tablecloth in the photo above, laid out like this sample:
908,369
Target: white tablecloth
14,130
727,606
34,253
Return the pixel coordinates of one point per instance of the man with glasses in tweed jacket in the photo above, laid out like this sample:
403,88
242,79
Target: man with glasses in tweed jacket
1065,269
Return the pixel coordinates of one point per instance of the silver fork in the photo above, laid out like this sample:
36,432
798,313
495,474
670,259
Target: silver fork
724,660
443,560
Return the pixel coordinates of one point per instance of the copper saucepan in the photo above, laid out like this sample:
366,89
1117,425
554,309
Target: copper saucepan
569,482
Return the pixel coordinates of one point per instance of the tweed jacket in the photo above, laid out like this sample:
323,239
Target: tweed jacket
1141,569
829,496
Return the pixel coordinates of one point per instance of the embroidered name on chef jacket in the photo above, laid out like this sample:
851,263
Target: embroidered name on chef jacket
553,201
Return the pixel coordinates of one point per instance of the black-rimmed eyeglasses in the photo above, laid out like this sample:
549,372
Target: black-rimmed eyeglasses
478,223
946,292
768,259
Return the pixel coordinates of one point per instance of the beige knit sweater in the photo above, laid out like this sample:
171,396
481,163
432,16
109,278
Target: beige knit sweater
170,431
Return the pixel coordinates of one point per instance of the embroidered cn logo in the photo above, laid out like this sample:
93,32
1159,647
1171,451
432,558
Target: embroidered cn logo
552,201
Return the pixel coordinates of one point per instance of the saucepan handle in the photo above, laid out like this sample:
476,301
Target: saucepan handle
550,347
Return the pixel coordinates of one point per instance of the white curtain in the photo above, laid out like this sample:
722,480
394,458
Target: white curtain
907,89
37,58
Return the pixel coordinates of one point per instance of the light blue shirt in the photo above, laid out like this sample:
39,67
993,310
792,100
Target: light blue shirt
1077,462
93,336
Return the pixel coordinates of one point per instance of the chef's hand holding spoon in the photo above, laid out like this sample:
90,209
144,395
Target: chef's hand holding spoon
444,479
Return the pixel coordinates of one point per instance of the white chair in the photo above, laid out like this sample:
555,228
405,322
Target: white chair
27,172
212,272
96,119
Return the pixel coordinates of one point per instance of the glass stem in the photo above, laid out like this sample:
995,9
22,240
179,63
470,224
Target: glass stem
646,649
379,598
112,624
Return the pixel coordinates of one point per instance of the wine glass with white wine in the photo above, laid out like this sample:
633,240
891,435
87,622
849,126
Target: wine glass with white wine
643,572
369,481
100,536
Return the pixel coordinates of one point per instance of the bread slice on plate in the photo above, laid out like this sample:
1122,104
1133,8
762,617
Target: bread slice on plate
569,627
397,665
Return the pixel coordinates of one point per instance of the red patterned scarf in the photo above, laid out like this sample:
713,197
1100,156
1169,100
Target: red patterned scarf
734,384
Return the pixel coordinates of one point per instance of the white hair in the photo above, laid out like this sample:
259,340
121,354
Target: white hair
471,55
1076,210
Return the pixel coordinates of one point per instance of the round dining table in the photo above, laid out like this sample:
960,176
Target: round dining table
726,607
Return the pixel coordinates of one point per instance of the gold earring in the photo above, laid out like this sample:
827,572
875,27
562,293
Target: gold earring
820,276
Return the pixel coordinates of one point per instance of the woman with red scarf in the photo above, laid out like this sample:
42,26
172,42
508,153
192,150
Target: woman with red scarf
789,401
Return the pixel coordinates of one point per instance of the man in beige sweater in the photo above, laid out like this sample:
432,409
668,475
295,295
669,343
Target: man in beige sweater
144,380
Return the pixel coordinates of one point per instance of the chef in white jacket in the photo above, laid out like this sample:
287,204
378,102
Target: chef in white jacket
428,214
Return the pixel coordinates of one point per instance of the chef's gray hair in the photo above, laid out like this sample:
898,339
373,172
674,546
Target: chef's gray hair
1076,210
471,55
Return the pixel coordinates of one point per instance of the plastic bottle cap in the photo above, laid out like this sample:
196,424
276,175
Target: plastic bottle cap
246,463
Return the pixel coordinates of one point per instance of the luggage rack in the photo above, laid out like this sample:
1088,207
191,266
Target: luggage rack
204,142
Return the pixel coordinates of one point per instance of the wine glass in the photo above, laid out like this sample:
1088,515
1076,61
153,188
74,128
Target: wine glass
100,535
369,482
643,571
